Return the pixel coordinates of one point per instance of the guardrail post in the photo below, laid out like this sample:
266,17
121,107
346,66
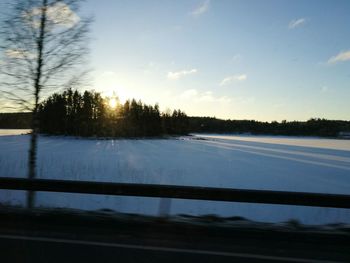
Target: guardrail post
164,207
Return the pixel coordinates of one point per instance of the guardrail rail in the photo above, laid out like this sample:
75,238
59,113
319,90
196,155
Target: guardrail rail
179,192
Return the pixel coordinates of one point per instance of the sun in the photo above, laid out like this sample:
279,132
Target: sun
112,103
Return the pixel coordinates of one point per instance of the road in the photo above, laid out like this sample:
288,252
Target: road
39,236
40,249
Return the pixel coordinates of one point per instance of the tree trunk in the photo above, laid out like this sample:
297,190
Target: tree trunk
35,121
32,159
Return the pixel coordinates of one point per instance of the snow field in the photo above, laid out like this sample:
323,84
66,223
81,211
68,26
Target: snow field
289,164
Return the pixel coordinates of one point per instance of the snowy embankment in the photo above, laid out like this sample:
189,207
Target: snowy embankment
249,162
5,132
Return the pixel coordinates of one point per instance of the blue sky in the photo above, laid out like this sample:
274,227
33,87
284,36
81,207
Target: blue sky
264,60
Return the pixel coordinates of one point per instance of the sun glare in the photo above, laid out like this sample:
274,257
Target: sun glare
112,103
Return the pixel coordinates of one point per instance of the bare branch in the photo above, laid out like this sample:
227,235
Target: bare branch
43,45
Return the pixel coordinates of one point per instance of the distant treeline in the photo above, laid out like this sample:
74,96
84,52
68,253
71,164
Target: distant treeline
89,114
18,120
312,127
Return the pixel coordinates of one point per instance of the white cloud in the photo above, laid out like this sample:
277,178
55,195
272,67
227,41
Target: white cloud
201,9
231,79
189,94
180,74
59,14
342,56
296,23
209,97
201,97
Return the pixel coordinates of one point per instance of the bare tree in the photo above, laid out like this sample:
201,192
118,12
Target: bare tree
44,47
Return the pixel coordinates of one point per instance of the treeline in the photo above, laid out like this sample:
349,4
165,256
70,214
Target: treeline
89,114
312,127
18,120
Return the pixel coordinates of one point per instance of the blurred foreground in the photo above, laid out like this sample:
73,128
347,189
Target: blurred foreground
70,235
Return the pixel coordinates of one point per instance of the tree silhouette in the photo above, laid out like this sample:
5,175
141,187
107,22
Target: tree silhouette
43,44
87,114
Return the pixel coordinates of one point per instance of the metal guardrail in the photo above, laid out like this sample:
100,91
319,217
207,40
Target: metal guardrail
180,192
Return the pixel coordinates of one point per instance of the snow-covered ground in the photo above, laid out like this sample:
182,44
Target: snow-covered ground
5,132
249,162
317,142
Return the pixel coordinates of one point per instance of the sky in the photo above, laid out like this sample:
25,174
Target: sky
264,60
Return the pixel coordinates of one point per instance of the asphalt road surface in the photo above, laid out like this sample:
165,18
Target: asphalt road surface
39,236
